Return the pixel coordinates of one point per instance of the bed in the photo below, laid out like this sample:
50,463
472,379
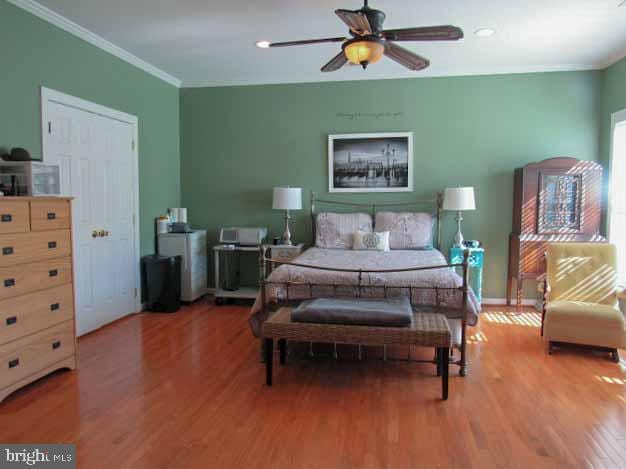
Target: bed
333,269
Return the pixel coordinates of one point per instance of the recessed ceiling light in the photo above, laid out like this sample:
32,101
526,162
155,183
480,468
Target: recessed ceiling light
263,44
484,32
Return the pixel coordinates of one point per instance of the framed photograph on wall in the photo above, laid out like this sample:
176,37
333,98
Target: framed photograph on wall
375,162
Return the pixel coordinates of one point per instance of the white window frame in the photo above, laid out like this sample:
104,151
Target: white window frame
617,119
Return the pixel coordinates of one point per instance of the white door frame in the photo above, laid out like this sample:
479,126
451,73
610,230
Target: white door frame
617,118
51,96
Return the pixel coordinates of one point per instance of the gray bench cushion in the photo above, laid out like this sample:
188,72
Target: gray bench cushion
395,312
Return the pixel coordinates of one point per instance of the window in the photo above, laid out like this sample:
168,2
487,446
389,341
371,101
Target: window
617,213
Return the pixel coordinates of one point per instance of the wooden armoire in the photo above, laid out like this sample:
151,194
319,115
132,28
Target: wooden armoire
555,200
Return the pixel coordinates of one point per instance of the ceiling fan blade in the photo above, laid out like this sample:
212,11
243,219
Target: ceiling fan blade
405,57
306,41
335,63
427,33
356,21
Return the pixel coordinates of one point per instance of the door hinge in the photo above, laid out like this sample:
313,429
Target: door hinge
132,145
135,293
49,127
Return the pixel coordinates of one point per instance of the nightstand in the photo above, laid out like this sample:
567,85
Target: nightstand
476,262
283,252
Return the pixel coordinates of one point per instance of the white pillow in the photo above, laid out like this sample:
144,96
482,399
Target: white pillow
371,241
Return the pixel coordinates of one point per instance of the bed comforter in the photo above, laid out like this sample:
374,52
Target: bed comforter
373,285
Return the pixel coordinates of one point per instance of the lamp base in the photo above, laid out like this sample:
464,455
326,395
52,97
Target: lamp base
458,237
287,234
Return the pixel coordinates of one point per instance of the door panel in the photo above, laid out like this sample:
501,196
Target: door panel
96,158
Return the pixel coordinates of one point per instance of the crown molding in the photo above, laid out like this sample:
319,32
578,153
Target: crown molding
434,74
613,59
69,26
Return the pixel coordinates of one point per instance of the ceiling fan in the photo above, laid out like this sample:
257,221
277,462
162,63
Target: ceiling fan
369,42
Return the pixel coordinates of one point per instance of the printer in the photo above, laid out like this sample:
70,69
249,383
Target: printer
243,236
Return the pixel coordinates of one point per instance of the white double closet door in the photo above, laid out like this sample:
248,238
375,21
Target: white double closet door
95,154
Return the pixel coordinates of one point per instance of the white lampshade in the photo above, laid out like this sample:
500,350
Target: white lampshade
459,198
287,198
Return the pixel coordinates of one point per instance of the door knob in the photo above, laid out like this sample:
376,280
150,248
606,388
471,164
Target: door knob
94,234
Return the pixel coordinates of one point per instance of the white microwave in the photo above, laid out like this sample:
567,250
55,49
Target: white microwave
30,178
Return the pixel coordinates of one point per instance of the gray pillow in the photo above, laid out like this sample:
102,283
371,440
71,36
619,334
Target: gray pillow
355,311
335,230
407,230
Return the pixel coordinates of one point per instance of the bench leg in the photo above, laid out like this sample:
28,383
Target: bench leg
269,356
282,347
438,358
444,364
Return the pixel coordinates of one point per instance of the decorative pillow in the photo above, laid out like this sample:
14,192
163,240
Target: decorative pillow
408,230
371,241
335,230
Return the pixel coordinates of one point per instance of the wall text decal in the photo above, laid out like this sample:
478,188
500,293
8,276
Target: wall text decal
369,115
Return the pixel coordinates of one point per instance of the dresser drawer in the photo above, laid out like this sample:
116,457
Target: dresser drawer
27,278
26,314
48,215
14,217
29,247
28,355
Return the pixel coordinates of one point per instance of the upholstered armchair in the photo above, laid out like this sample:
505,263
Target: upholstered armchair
581,297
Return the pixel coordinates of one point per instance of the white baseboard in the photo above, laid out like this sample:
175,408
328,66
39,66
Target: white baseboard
502,301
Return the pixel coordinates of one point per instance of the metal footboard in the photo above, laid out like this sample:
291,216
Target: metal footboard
267,264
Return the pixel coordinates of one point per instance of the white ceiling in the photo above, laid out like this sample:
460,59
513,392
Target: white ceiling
208,43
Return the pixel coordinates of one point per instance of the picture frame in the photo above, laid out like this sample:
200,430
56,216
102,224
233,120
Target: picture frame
370,162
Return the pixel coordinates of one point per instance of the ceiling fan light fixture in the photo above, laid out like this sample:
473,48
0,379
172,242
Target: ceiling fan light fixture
263,44
364,51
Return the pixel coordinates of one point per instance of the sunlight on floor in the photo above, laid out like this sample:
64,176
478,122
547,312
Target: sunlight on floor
529,319
477,338
608,379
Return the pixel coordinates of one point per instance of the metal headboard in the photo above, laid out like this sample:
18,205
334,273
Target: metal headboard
436,202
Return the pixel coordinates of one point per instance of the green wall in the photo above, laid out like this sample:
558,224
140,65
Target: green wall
239,142
34,53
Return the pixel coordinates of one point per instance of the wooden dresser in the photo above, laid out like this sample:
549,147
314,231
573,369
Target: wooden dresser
37,329
555,200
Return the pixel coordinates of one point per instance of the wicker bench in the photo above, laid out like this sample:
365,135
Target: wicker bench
426,330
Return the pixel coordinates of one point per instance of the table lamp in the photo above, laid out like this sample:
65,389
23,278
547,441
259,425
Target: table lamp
459,199
287,198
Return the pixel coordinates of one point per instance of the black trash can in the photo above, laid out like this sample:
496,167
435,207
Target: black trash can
161,283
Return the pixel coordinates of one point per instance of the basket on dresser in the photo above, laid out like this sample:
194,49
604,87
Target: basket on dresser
37,323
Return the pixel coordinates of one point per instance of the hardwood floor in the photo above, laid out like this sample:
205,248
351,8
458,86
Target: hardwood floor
187,390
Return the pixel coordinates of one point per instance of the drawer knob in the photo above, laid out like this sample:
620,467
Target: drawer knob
13,363
53,273
54,306
56,344
10,282
52,245
7,251
51,215
6,218
12,320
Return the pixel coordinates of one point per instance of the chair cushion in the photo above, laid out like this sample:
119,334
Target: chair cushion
355,311
584,323
585,272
